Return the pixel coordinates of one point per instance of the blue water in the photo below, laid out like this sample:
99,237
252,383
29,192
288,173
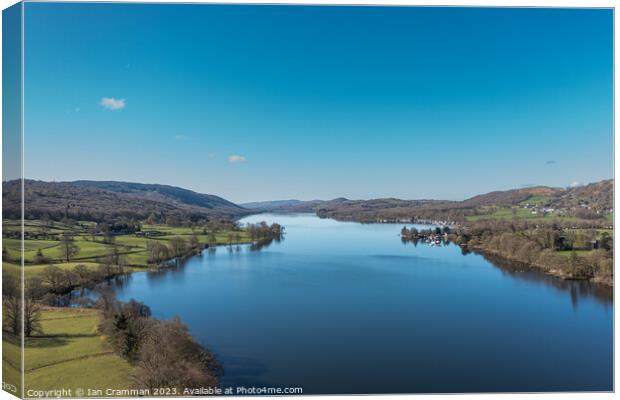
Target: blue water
340,307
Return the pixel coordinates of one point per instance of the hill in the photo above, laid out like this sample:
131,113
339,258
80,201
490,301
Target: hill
100,201
162,193
510,197
273,205
589,201
598,195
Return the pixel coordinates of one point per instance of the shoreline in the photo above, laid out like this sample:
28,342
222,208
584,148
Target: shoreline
555,273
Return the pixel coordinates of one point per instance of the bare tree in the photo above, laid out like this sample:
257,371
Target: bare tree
32,309
53,277
11,302
83,274
169,357
194,243
156,252
68,248
178,247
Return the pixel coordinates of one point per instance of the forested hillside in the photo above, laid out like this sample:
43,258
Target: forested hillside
110,201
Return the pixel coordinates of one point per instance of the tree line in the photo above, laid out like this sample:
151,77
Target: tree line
163,352
538,244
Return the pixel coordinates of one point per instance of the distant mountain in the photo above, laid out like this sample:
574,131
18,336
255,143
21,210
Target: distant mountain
98,201
510,197
163,193
285,206
271,205
583,201
104,200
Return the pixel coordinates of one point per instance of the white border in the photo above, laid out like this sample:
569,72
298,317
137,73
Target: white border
483,3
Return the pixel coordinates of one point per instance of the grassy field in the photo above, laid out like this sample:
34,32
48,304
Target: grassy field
70,354
508,213
567,253
504,213
93,250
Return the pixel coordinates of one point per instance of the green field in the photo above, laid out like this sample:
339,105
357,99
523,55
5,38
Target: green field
536,200
507,213
70,354
92,250
567,253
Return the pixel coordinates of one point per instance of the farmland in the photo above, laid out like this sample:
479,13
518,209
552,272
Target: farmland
65,349
93,248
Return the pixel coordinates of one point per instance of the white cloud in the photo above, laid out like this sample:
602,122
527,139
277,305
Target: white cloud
575,184
235,158
112,104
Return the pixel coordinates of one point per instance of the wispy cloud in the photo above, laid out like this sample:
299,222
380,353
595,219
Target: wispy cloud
575,184
550,162
112,104
235,158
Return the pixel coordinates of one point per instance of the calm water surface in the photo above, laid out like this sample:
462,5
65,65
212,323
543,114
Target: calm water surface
340,307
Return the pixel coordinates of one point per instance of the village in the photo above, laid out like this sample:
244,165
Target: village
432,237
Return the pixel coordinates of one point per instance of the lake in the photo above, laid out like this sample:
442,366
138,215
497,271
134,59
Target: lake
342,307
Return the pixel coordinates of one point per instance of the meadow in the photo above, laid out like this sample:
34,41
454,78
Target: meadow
92,249
69,354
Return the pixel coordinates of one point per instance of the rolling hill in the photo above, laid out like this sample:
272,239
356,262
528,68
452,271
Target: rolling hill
273,205
104,200
98,201
596,196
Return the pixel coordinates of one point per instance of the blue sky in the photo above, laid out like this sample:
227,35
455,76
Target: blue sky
277,102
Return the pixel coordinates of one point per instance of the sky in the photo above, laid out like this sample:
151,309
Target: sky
11,92
278,102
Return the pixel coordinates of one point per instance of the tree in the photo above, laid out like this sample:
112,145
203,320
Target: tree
83,274
152,219
114,257
5,254
53,277
169,357
40,258
130,328
178,247
11,302
194,243
212,240
156,252
230,238
607,241
68,248
44,229
32,309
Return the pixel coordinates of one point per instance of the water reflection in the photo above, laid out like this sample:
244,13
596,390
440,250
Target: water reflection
388,316
520,271
573,288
